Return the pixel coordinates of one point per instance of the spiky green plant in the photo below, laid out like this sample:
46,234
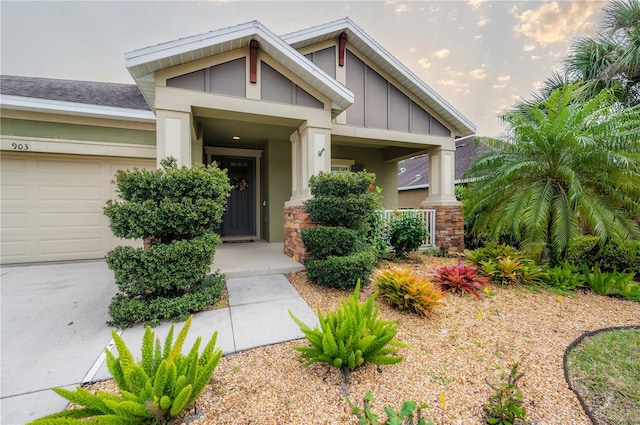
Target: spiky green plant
610,283
351,336
154,390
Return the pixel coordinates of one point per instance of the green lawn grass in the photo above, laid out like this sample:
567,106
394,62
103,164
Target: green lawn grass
604,369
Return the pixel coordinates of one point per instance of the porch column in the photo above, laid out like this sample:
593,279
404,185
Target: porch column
310,155
449,218
173,136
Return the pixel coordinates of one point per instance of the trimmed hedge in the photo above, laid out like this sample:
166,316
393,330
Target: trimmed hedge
324,241
177,208
125,311
341,272
174,183
341,184
348,211
187,218
163,269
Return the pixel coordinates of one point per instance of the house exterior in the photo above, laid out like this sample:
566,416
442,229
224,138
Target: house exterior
413,173
272,110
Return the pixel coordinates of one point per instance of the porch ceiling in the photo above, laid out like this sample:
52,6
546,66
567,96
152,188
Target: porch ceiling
220,131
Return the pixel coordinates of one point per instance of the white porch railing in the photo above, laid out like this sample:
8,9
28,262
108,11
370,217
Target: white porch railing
427,216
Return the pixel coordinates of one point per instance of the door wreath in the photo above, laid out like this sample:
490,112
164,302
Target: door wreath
240,183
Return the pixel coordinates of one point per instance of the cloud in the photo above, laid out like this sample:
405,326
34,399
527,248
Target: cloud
453,83
401,8
535,57
529,47
424,63
483,21
476,3
477,74
442,53
503,80
477,36
398,7
555,22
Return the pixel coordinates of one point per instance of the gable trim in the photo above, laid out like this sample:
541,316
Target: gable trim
142,64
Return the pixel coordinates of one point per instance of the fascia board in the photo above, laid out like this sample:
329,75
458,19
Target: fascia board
20,103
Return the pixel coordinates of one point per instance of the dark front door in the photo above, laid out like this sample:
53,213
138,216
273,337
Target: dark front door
240,217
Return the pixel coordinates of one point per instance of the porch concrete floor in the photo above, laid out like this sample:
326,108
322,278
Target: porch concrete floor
246,259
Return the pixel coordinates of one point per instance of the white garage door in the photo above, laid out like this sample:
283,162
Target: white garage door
51,205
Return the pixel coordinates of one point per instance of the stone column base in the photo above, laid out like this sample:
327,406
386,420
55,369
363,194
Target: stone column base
296,219
449,226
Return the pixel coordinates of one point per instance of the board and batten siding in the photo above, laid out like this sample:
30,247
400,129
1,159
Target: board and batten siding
227,78
379,104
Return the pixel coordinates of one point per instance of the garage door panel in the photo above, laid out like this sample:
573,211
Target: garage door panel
86,168
52,206
14,165
62,221
14,192
72,247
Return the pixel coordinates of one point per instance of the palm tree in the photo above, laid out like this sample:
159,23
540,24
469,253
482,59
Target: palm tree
563,166
613,58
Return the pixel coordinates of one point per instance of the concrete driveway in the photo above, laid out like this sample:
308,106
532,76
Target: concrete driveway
53,328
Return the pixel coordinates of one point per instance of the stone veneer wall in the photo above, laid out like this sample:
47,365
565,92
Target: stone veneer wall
449,227
296,219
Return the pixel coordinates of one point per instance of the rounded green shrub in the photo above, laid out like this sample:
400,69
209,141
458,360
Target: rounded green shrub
163,269
406,233
341,184
348,211
614,255
341,272
324,241
127,311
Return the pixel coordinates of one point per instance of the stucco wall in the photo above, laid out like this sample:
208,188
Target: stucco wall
276,188
372,159
55,130
412,198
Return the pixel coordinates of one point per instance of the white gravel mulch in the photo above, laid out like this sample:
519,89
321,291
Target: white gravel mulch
450,355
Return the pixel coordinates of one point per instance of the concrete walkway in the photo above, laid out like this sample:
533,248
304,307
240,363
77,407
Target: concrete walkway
53,323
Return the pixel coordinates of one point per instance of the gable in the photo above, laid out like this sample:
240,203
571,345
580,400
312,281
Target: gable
348,33
144,64
275,87
227,78
325,59
230,79
379,104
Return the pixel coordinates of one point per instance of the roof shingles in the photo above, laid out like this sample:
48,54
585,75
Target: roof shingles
413,173
86,92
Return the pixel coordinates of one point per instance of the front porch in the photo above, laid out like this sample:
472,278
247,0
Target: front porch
246,259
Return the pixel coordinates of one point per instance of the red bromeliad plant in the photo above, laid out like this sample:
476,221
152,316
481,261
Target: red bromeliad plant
460,278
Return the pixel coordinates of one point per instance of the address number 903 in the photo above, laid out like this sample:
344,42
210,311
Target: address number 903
20,146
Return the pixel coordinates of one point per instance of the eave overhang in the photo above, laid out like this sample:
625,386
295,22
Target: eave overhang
30,104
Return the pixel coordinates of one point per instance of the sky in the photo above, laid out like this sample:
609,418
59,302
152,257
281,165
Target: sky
481,56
